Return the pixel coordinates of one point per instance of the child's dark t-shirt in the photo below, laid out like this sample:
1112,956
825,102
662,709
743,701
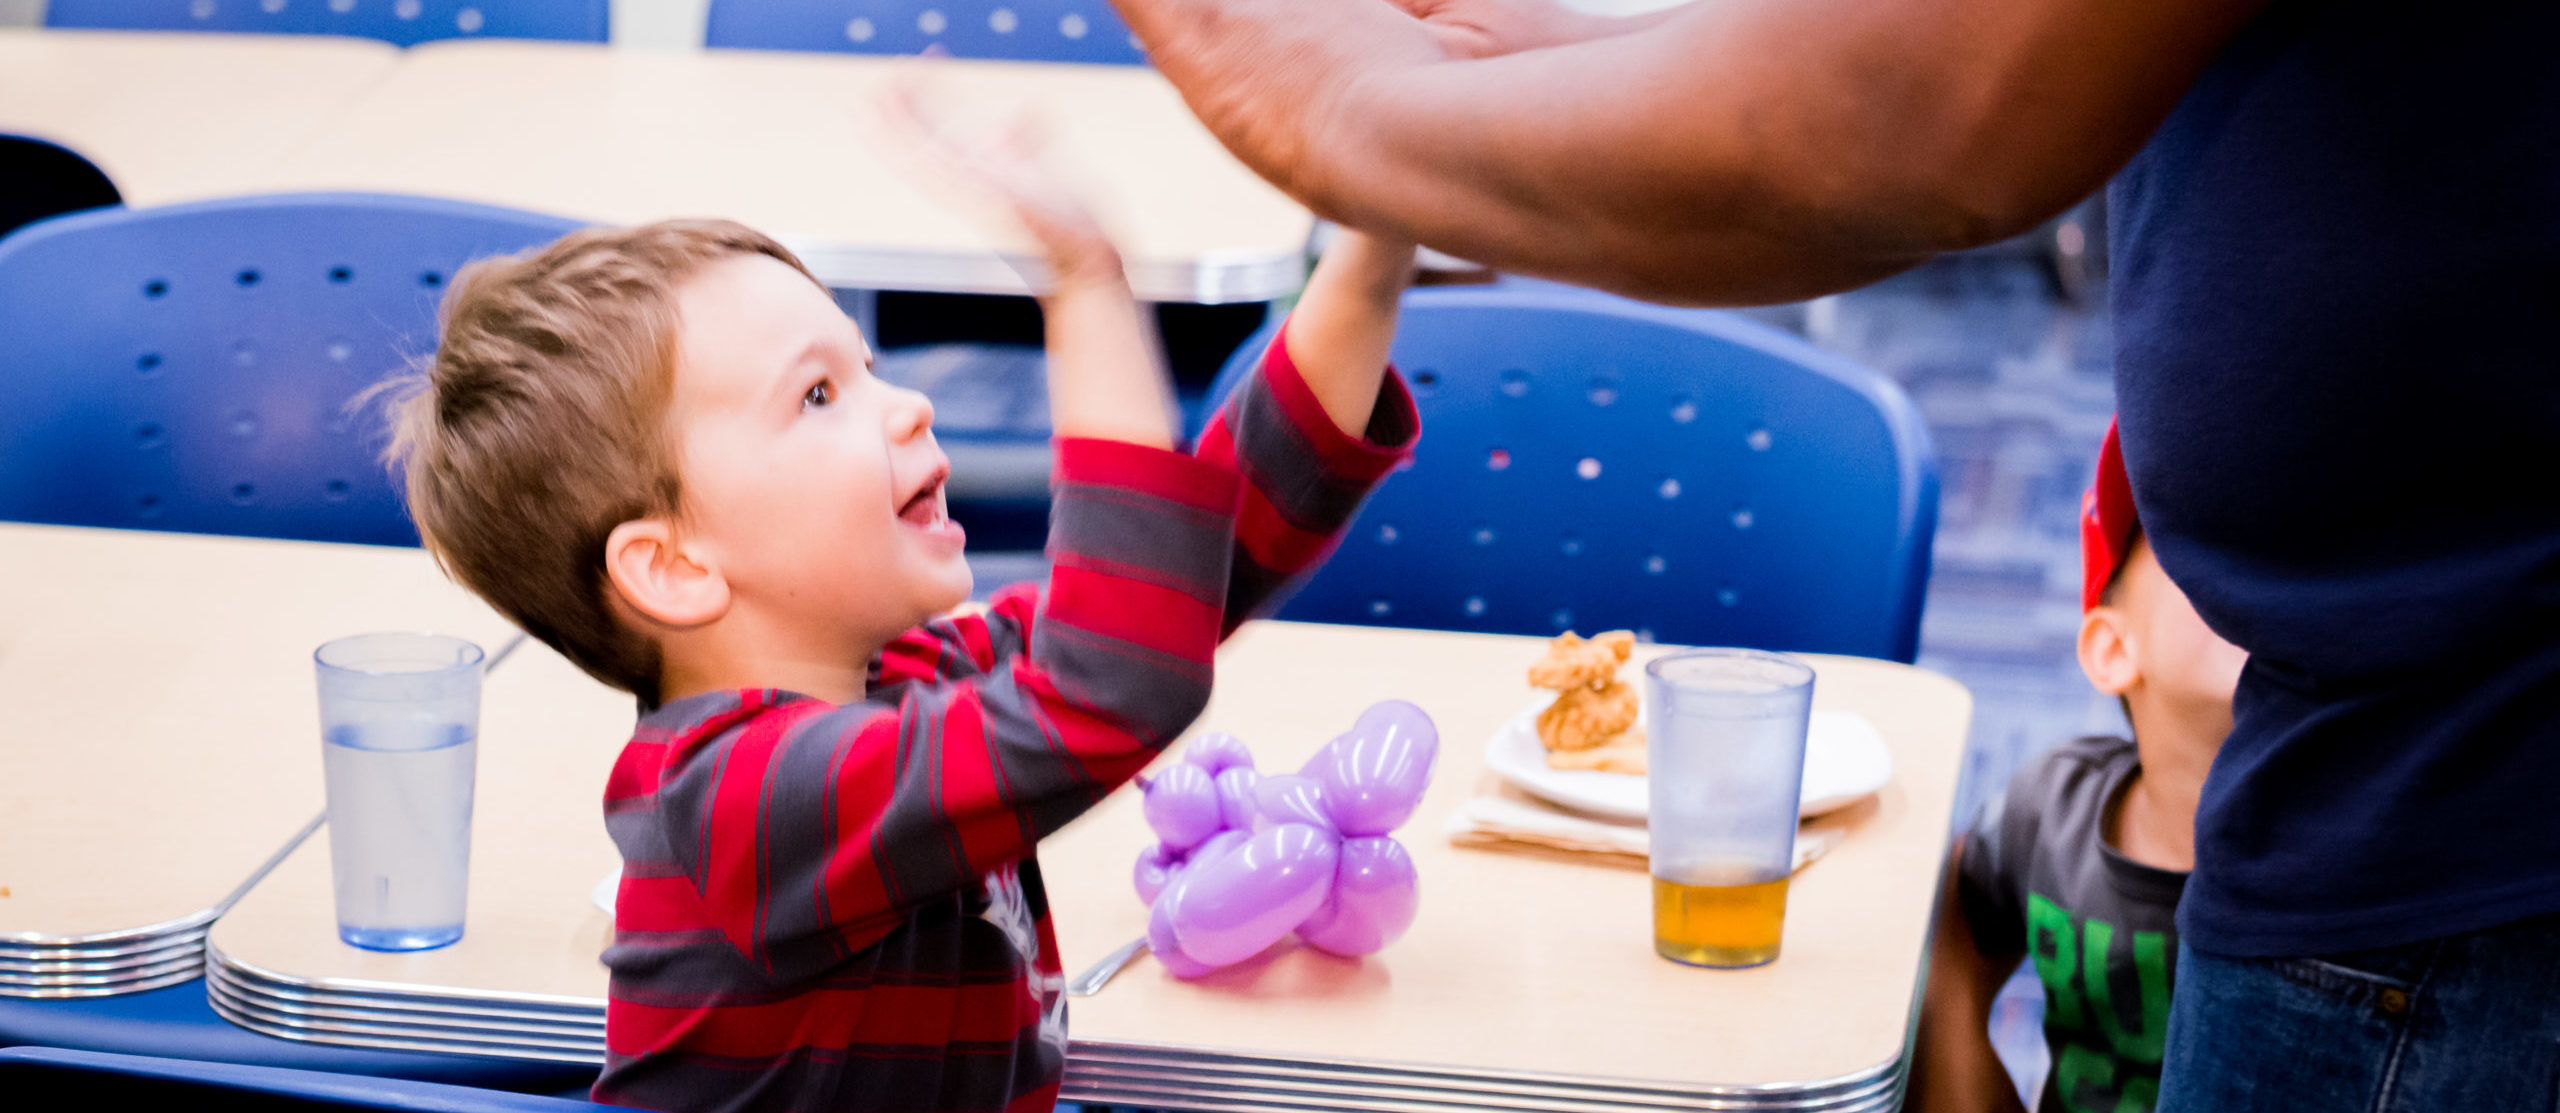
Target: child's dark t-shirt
2037,878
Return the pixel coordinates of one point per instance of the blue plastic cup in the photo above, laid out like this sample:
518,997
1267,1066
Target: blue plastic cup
399,730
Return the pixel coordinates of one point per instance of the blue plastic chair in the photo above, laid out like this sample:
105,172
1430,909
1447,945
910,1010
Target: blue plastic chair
1009,30
1591,463
401,22
40,179
178,1023
191,367
85,1079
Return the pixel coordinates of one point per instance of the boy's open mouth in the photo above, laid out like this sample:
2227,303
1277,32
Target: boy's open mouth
926,508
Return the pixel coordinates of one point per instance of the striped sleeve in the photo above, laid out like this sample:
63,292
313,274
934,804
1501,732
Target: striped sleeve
816,829
1304,477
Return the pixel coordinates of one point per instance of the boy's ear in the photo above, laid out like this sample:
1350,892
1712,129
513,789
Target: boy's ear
657,575
2105,654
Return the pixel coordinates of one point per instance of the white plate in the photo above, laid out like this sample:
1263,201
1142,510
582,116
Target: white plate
1844,762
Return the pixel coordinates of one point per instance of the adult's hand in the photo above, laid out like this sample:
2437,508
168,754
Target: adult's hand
1727,152
1484,28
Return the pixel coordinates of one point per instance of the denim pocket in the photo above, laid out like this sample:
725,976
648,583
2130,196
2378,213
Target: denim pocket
2385,981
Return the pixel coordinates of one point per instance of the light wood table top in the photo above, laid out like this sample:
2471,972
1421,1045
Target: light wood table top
1519,966
164,738
791,144
1522,964
184,115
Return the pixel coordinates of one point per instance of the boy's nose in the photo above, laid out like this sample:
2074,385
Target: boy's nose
910,415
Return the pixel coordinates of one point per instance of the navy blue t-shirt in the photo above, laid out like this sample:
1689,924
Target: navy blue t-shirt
2337,296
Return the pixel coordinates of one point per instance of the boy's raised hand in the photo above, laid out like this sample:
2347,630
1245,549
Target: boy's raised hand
1106,378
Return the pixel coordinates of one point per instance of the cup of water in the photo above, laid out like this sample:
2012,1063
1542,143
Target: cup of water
1725,762
399,731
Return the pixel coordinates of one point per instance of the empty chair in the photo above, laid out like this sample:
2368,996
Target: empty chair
143,1082
1014,30
1591,463
39,179
404,22
192,367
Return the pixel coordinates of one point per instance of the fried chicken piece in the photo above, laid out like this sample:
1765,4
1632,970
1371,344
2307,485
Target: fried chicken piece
1585,718
1593,709
1624,754
1573,663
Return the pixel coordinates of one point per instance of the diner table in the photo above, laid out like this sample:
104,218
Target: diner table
181,116
795,144
162,746
1528,980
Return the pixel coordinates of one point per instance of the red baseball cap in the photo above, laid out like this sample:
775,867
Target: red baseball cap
2107,524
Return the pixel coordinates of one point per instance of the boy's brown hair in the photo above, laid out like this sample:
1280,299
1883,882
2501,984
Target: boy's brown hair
540,425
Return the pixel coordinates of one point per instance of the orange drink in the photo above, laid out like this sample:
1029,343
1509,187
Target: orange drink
1718,924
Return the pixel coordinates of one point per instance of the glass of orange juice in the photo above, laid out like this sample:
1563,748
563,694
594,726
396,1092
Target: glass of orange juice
1725,758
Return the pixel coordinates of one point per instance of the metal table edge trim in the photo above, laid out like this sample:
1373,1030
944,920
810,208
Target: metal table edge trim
424,1011
1179,1054
1228,1101
176,976
215,959
143,950
188,922
223,1007
1222,277
1152,1090
230,996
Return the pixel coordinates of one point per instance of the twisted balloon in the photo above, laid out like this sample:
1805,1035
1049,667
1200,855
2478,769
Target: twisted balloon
1243,859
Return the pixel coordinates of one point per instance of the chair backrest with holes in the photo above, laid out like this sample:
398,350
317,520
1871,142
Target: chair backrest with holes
191,367
1009,30
1592,463
404,22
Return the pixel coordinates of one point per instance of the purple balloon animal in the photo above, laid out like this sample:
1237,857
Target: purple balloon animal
1245,859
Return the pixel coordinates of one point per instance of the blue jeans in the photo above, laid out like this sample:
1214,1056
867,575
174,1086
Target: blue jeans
2456,1025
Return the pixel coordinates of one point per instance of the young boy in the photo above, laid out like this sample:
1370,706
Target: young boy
661,450
2080,867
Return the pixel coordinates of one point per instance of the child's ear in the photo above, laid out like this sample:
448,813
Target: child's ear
658,577
2105,654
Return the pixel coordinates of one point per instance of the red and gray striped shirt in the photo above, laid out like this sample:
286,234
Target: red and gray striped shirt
835,908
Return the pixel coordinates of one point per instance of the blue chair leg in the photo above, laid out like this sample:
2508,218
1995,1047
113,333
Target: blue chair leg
176,1022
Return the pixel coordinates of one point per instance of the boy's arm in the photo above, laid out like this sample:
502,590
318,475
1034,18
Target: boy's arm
1954,1069
1322,421
1346,320
814,830
1106,377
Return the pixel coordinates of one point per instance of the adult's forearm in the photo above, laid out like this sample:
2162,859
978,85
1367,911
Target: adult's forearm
1740,151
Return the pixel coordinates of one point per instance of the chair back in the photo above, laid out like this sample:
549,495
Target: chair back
39,179
401,22
1590,463
1004,30
192,367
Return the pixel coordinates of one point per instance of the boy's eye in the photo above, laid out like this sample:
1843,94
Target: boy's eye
820,394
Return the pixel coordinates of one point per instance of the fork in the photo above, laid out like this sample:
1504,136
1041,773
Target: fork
1099,974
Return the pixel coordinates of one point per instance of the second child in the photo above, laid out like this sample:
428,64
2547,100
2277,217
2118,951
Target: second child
2078,867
